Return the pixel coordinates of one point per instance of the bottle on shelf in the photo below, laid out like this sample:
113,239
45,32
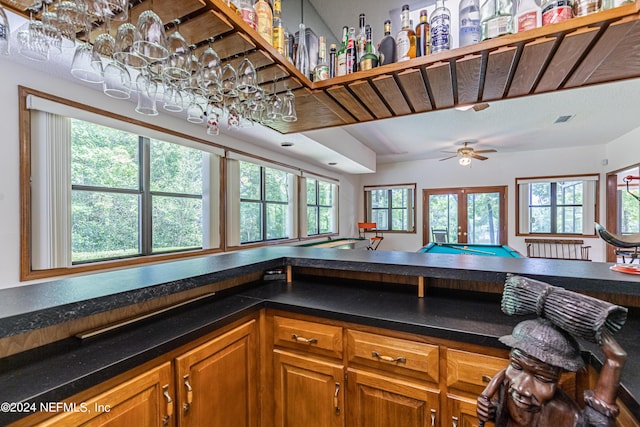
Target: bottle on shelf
440,28
423,35
302,53
278,28
469,16
387,47
586,7
341,67
554,11
370,59
352,52
528,15
321,71
406,38
264,17
248,13
332,61
361,39
496,18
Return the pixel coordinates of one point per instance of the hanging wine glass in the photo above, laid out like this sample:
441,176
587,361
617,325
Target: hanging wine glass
5,32
51,30
147,90
175,67
210,72
32,42
247,77
125,53
152,41
86,64
117,81
289,107
195,112
229,81
68,22
173,99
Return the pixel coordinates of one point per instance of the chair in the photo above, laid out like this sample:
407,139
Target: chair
625,245
367,228
440,235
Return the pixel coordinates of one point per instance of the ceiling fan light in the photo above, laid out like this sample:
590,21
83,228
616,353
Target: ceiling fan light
465,161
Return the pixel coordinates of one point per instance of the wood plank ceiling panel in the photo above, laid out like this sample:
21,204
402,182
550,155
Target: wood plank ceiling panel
388,87
258,58
312,114
272,74
203,26
623,60
368,96
415,88
233,44
282,85
336,108
500,64
439,78
599,53
342,95
530,66
565,59
167,10
468,71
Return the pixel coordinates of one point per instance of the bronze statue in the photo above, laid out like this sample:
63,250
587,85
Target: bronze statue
526,393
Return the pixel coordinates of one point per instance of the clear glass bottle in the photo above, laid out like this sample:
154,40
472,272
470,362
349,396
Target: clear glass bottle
528,15
321,71
302,53
406,38
423,35
248,13
387,49
352,52
496,18
341,67
469,15
264,17
361,39
370,59
278,28
440,28
586,7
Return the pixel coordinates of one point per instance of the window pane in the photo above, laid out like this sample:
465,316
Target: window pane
569,193
249,181
251,229
483,218
326,193
103,225
399,198
630,212
540,220
570,219
381,218
276,185
311,192
326,220
540,194
103,157
399,219
177,223
443,214
176,169
379,198
276,221
312,220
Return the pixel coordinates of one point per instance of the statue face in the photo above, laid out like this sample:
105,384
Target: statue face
531,383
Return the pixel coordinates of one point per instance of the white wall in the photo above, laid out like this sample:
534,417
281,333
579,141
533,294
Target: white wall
13,74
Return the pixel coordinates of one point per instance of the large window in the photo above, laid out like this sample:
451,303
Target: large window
320,207
559,205
392,208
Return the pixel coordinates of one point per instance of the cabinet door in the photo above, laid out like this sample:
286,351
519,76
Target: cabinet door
308,391
145,400
383,401
217,382
462,413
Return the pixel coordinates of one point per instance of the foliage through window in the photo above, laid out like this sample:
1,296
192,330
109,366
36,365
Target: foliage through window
392,208
320,200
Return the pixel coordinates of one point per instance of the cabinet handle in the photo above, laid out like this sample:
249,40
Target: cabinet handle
454,421
187,405
298,338
486,378
169,414
433,418
399,359
336,404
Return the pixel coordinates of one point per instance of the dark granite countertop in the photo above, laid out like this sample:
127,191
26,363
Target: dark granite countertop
59,370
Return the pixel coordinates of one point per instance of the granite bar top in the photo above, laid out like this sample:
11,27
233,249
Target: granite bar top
54,372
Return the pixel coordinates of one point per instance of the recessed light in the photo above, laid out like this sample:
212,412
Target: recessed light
563,119
332,163
286,144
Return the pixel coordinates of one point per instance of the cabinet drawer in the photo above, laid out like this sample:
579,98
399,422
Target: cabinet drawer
307,336
472,371
401,356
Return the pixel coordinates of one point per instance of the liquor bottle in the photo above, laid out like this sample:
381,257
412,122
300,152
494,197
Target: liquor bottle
469,15
248,14
352,52
332,61
554,11
423,35
405,49
440,28
321,71
341,67
264,16
278,28
586,7
496,18
528,16
387,48
369,60
302,53
361,39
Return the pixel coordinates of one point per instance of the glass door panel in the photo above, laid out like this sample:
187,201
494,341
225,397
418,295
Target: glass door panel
483,218
443,217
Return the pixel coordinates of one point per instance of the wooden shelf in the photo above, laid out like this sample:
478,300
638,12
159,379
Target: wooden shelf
598,48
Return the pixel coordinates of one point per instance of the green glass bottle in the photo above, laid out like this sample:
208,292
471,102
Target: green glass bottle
370,59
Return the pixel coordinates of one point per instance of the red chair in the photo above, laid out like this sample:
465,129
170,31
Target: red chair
367,228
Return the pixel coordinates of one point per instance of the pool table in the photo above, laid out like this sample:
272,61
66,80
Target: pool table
470,249
343,243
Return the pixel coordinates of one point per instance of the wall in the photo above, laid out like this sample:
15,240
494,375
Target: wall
13,74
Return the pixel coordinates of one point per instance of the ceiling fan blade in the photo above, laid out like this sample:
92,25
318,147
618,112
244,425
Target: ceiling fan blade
475,156
450,157
491,150
450,152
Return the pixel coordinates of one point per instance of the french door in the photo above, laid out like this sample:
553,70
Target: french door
474,215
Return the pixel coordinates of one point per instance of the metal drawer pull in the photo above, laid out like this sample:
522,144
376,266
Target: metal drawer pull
399,359
167,417
433,418
297,338
486,378
336,403
187,405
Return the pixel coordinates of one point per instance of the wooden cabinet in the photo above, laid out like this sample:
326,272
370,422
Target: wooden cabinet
217,382
461,412
145,400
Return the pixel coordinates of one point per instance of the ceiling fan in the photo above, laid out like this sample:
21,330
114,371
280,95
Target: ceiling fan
466,153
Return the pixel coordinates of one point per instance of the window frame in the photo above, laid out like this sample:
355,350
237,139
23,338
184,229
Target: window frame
411,216
317,205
